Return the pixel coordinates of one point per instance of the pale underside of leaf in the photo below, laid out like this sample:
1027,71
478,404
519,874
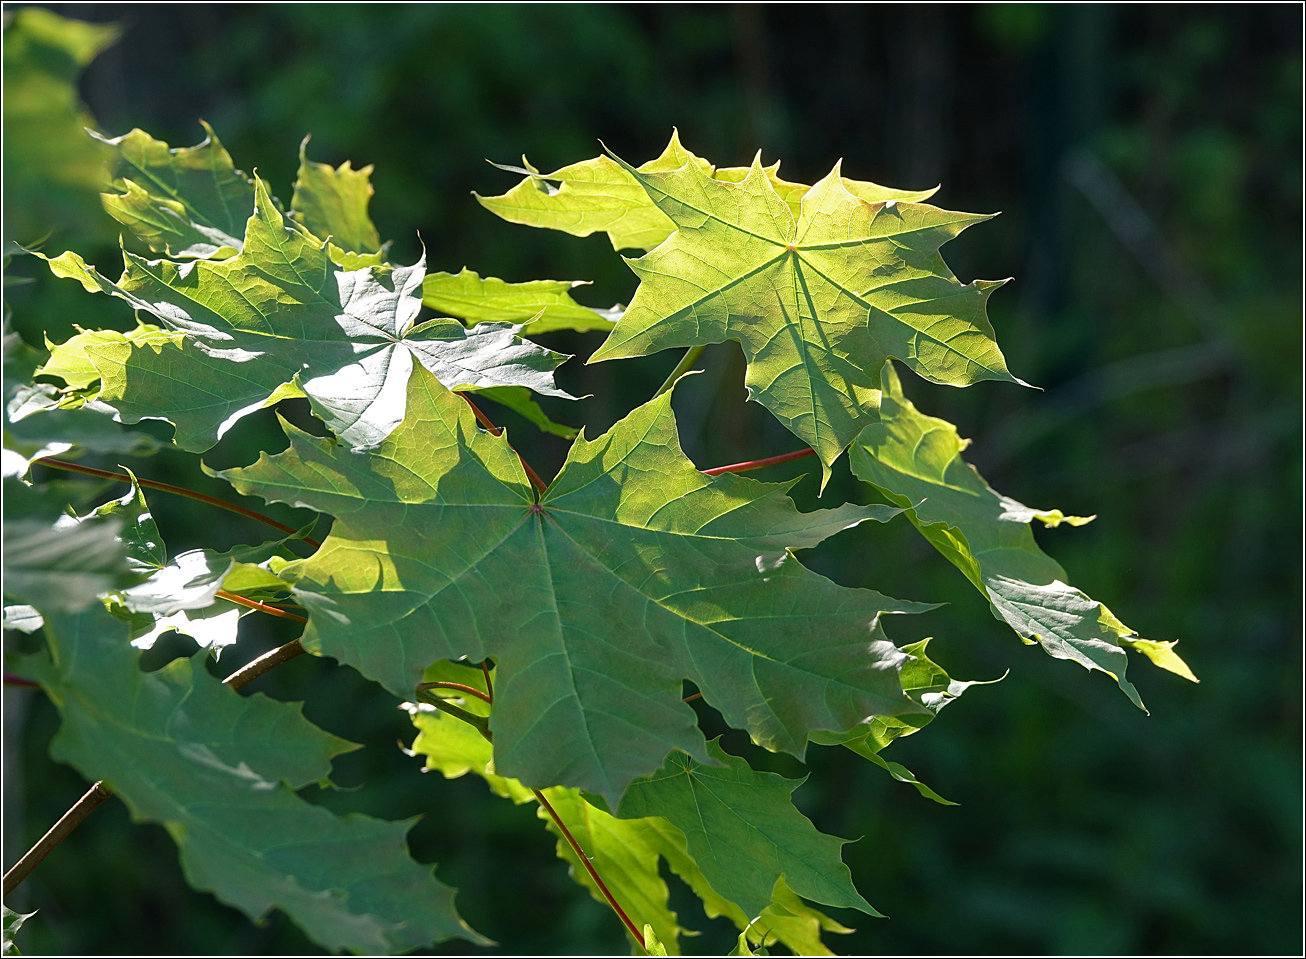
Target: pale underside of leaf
633,573
280,320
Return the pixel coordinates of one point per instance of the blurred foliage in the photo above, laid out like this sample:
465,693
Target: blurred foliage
1148,163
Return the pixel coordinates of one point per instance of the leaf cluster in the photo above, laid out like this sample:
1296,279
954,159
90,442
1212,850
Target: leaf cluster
561,639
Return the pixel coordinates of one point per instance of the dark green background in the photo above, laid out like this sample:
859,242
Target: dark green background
1157,302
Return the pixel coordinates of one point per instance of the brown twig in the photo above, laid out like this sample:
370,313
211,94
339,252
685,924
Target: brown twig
497,430
758,464
45,845
257,667
178,490
12,680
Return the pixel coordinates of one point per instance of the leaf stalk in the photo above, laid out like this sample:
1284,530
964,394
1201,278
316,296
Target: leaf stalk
689,359
497,430
589,867
758,464
178,490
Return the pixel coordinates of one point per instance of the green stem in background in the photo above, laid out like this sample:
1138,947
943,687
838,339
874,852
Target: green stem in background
178,490
100,792
758,464
689,359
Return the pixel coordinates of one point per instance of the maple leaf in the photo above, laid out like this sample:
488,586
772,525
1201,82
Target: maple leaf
913,458
187,202
280,320
603,196
52,170
927,683
632,573
818,301
182,593
626,851
743,832
219,770
331,202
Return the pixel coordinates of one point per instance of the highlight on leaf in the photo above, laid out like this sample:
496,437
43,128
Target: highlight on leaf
280,320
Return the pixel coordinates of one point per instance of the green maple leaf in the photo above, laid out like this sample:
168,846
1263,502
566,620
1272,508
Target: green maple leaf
543,305
13,921
185,202
604,196
181,594
743,831
632,573
913,458
219,771
927,683
818,301
50,559
41,420
279,320
626,852
332,202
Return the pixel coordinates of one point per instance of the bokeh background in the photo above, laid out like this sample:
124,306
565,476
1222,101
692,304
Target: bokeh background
1147,161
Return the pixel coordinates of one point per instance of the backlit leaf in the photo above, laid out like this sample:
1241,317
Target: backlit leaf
184,201
331,202
913,458
602,196
818,301
543,305
52,169
626,852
